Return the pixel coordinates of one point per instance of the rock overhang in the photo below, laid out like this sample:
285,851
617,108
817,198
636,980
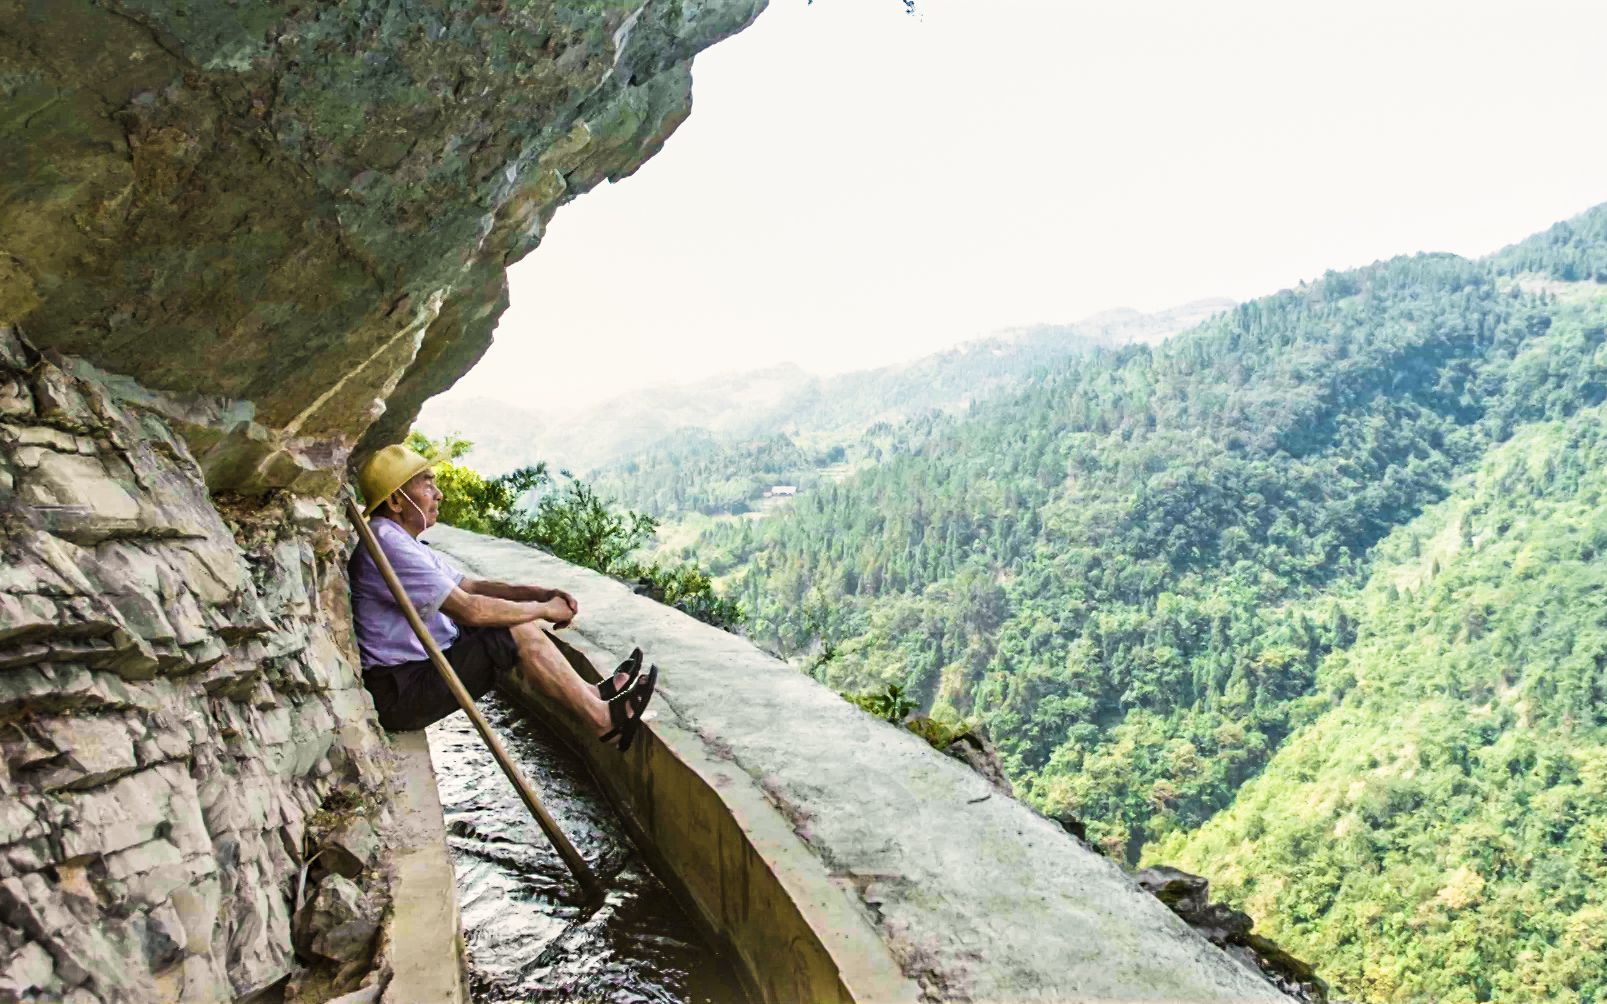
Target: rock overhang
230,235
302,214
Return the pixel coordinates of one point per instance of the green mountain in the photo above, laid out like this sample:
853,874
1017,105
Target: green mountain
1143,572
1439,832
696,471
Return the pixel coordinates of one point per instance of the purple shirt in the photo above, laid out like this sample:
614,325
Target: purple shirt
384,638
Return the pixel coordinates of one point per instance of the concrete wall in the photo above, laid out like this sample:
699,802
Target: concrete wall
839,857
423,941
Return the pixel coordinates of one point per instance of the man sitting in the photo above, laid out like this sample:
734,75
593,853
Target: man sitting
483,627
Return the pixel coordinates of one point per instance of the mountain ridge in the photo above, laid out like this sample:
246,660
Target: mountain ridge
1138,571
783,397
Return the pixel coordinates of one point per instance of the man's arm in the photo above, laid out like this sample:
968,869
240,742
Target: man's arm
505,590
518,593
479,610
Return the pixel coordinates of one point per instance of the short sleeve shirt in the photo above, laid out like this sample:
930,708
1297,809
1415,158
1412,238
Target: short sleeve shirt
384,638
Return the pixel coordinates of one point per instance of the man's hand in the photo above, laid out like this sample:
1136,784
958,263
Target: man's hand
572,604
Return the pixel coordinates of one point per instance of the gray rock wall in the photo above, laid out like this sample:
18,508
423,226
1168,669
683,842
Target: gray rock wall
176,699
246,238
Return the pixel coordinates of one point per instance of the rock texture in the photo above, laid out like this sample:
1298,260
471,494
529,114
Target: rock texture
177,697
1189,896
305,210
974,749
235,240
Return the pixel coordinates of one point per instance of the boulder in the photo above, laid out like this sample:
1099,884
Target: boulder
975,749
351,848
339,923
1189,896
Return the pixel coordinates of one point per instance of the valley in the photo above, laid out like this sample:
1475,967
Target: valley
1305,599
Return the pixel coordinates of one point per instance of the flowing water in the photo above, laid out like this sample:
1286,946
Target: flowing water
529,937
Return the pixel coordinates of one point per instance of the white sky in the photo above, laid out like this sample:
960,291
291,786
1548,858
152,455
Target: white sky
857,186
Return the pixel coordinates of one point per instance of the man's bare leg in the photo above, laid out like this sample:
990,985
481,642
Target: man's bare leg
545,668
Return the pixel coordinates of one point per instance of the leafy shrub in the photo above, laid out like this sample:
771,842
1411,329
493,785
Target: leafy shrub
573,523
893,705
889,705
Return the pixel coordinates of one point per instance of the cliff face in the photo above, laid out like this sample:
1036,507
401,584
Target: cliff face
308,208
177,697
236,242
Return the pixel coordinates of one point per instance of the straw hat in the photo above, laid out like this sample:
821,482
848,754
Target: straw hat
386,471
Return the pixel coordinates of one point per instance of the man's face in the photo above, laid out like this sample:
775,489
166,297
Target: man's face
426,496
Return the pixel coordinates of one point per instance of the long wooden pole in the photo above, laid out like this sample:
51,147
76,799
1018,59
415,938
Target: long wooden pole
566,850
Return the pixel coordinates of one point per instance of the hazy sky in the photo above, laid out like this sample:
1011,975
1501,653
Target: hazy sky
857,186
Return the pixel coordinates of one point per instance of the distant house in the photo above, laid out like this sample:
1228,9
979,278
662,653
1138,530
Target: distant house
776,491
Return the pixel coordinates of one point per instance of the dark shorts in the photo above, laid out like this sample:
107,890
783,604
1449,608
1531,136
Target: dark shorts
412,695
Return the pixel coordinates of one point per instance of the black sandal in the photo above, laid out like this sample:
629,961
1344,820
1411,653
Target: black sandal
627,724
631,667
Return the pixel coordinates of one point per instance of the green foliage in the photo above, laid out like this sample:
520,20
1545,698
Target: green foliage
695,473
1127,571
937,733
688,588
582,528
1437,833
1573,251
889,705
815,430
892,705
1298,536
473,502
573,523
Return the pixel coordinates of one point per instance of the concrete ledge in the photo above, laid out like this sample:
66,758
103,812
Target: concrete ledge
424,942
751,885
840,858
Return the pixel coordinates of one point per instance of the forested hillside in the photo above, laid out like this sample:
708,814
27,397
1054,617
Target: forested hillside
1142,572
698,472
1439,832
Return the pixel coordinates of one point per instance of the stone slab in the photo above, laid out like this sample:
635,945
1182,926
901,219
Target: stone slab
425,940
832,850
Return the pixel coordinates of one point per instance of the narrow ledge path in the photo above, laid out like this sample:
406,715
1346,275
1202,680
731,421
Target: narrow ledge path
897,879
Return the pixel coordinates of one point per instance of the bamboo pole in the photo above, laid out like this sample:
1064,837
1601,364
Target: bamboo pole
566,850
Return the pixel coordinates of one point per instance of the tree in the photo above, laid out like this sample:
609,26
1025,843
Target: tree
573,523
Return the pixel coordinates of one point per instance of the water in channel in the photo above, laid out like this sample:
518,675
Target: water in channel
529,939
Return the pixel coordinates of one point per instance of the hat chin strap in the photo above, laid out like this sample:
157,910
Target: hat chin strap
425,519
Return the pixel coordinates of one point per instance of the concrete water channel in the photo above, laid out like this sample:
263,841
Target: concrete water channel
826,855
527,937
